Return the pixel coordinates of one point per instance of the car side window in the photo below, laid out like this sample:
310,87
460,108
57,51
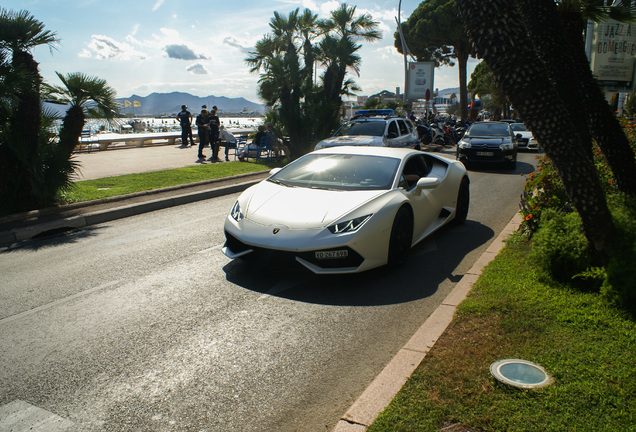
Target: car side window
403,129
392,131
415,168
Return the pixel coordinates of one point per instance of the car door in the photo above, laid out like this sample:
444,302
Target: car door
392,134
426,206
405,138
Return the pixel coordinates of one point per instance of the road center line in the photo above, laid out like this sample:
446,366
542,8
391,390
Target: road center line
58,302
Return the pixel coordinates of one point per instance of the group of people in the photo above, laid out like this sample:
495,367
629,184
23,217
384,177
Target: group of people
212,133
265,136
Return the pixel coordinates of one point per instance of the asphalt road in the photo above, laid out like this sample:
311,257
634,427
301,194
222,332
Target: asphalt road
142,323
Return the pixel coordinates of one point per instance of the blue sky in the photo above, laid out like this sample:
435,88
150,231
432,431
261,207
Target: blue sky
198,47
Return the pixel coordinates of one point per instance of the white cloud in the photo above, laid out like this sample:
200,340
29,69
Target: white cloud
183,52
107,48
242,46
157,5
198,69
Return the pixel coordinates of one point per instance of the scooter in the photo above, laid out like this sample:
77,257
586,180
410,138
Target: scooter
437,134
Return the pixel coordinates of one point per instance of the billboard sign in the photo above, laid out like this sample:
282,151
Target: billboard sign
613,54
419,79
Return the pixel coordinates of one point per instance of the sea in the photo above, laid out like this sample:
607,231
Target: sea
162,124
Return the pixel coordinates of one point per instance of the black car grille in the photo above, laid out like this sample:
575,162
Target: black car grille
234,244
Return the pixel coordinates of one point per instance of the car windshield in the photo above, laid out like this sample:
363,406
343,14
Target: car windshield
344,172
518,127
488,130
371,128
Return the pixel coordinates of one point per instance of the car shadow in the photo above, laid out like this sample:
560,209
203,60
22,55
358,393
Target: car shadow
522,168
432,262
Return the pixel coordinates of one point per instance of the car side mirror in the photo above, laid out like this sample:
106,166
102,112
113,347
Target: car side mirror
428,183
392,135
274,171
519,136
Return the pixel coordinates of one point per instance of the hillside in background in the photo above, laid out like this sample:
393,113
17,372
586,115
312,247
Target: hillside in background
169,104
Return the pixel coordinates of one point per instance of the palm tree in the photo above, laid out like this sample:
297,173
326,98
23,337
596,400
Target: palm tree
87,97
32,169
513,59
20,32
281,83
338,55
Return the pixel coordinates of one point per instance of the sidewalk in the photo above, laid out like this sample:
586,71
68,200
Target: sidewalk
109,163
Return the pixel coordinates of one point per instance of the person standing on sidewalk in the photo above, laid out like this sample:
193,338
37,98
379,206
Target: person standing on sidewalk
214,136
185,120
203,128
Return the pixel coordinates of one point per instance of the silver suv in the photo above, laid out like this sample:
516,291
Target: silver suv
380,128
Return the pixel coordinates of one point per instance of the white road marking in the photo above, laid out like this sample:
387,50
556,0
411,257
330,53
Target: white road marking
58,302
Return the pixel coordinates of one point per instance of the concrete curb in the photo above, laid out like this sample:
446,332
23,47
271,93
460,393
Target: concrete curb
388,383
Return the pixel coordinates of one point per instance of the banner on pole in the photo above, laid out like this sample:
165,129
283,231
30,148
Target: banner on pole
420,78
613,55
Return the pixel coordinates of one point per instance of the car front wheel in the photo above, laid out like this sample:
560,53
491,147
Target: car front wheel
401,238
463,202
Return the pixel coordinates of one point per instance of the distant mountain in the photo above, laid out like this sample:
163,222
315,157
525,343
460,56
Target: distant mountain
169,104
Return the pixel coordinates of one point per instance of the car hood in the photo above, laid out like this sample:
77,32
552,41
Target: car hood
351,140
302,208
524,134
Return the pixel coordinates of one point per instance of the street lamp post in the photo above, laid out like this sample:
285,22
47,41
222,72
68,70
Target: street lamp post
404,49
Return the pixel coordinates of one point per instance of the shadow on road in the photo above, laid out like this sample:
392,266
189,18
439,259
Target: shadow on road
431,263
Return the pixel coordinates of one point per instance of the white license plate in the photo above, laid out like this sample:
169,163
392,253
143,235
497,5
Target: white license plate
332,254
485,154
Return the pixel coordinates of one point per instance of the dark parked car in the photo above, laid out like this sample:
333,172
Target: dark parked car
488,143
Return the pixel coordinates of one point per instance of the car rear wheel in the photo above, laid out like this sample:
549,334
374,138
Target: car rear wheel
401,238
463,202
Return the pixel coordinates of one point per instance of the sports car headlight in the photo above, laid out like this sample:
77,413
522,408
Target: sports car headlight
464,144
348,226
236,213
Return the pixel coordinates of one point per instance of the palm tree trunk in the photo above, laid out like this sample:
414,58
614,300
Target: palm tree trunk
26,115
571,72
519,71
71,129
462,60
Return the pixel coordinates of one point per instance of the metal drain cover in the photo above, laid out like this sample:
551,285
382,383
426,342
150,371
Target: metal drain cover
520,373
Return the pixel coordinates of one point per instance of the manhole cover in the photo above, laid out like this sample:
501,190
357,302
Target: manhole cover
520,373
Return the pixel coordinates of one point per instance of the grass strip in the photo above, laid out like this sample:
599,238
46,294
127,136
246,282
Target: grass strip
88,190
516,311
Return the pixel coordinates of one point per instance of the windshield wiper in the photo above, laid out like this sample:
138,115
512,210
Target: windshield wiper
273,180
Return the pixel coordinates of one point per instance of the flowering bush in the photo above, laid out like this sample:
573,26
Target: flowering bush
543,190
559,244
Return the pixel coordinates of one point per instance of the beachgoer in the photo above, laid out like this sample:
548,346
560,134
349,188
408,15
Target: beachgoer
185,120
230,140
203,128
277,144
214,135
254,145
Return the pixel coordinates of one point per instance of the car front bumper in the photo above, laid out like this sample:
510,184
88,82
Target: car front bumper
318,250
